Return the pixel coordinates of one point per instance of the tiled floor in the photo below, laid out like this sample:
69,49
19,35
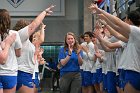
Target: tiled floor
49,91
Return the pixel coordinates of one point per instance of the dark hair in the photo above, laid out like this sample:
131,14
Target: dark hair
134,16
81,36
89,33
5,22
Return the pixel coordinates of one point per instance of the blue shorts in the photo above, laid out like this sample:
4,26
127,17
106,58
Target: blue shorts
104,82
97,77
111,82
36,80
121,76
86,78
117,81
8,82
133,78
25,79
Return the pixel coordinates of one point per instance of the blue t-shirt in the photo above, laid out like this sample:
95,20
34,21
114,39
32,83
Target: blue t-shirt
52,65
72,65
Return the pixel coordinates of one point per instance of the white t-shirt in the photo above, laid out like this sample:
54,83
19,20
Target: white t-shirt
88,62
10,67
104,63
98,64
26,61
110,56
130,59
118,53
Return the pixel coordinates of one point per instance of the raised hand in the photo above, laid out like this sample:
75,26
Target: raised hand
97,34
79,49
42,26
42,61
85,48
102,22
70,49
98,54
49,10
94,8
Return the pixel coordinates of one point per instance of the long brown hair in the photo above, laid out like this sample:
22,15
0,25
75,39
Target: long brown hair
76,44
5,22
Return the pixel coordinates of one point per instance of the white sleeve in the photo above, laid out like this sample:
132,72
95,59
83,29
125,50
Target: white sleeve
23,33
123,44
18,43
91,52
134,35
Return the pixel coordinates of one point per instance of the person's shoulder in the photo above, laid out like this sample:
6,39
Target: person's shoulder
12,31
91,43
84,43
134,27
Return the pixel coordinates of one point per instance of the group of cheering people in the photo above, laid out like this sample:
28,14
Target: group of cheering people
20,52
107,60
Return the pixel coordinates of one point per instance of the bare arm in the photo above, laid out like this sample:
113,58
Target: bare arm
65,60
36,22
113,32
111,45
99,36
42,33
5,46
113,21
105,48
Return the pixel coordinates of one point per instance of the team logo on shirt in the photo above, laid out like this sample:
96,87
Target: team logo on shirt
15,3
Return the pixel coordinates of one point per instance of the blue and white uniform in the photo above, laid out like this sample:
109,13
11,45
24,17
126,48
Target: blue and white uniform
36,75
8,71
111,68
88,64
130,60
26,63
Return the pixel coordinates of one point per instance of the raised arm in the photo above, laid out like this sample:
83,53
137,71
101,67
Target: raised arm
36,22
42,33
103,41
113,21
38,37
113,32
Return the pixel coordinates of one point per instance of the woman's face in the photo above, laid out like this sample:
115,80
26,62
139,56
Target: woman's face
70,40
36,36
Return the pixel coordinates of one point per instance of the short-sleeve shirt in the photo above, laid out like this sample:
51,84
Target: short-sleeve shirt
130,59
26,62
110,56
88,63
10,67
72,65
